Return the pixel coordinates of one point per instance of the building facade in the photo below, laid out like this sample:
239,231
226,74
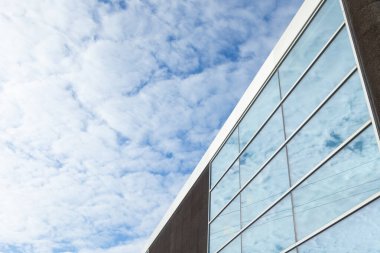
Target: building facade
296,167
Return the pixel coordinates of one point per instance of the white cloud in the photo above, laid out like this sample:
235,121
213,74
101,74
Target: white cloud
106,107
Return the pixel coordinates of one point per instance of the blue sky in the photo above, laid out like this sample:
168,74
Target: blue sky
107,106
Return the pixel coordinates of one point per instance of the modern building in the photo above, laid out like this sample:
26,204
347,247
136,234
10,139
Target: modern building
296,167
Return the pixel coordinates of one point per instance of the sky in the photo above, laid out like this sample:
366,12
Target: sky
106,107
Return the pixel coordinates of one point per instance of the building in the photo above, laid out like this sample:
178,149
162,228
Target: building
296,167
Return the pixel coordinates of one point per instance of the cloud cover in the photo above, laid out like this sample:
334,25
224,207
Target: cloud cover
106,107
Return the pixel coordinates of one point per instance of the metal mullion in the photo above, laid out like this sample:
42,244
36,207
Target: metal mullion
333,222
320,53
208,209
240,204
288,166
311,172
331,94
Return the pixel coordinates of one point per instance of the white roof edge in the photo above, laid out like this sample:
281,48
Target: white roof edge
285,42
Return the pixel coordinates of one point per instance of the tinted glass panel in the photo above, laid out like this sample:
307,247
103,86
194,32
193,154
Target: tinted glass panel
225,190
273,232
343,182
260,111
339,118
268,186
327,73
225,157
357,233
225,226
310,43
262,147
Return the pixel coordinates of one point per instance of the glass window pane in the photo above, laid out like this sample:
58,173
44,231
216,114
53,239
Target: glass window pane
233,247
273,232
268,186
262,147
326,74
339,118
225,226
320,30
260,111
357,233
225,157
225,190
342,183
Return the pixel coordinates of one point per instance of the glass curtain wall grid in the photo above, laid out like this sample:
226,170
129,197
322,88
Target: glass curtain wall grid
305,154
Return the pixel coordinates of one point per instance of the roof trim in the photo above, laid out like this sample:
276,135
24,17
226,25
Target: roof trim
282,47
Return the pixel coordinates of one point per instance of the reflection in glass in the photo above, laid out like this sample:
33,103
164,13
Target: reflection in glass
357,233
233,247
262,147
268,186
225,190
259,111
271,233
225,226
225,157
343,182
326,73
317,34
339,118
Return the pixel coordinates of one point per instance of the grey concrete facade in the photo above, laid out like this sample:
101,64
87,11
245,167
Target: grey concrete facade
364,21
186,231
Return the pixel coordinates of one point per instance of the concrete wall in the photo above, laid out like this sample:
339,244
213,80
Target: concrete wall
186,231
364,21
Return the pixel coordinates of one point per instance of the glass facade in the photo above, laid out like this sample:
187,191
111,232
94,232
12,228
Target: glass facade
303,155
